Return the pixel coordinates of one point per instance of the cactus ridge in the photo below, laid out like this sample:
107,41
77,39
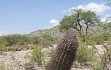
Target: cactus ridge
65,53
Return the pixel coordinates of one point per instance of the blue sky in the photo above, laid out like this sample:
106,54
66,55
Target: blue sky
25,16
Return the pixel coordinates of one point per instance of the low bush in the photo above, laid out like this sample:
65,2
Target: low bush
2,67
37,55
84,53
2,49
97,64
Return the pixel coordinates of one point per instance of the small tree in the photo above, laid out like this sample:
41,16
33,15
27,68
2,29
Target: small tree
81,20
109,2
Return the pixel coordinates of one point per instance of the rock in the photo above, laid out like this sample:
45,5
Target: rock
30,66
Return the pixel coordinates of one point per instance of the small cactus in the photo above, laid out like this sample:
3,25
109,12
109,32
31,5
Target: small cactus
64,54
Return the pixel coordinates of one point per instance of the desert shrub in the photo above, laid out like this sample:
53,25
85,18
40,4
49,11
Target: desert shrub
37,55
2,67
47,40
84,53
103,61
15,39
98,39
89,39
13,48
10,40
2,41
110,41
106,36
106,59
101,36
108,54
2,48
35,40
97,64
18,40
24,40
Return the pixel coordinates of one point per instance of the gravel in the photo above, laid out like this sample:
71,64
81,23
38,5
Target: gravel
16,60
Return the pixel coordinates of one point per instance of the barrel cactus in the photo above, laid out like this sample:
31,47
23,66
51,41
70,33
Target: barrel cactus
65,52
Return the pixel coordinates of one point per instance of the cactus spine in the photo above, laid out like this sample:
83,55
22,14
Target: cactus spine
65,53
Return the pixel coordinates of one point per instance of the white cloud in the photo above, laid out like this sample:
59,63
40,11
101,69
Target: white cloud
107,17
54,22
103,19
98,8
4,33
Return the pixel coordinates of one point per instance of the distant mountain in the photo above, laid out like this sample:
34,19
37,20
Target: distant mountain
52,31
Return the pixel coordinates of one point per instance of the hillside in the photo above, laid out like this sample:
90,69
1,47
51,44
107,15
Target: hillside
54,32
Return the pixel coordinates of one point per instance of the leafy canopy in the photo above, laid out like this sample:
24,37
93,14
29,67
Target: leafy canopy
81,20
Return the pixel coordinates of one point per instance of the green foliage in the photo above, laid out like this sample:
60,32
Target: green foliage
89,39
84,53
109,2
97,64
24,39
81,20
67,22
14,39
11,40
2,48
2,41
37,55
47,40
99,35
108,54
36,40
99,39
103,33
2,67
110,41
19,42
103,61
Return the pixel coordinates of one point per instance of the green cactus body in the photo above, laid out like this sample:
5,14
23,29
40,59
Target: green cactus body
65,53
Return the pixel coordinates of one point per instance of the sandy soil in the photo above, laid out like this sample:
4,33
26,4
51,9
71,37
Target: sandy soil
16,60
